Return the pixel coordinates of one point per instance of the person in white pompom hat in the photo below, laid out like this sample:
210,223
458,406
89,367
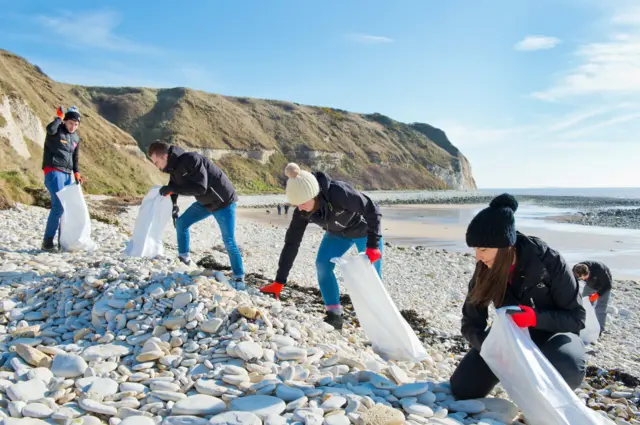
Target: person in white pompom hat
349,217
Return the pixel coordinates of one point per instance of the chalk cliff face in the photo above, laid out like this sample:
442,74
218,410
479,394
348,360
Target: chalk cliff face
28,100
372,151
251,139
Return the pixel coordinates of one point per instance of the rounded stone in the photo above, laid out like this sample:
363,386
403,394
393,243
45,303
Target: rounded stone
235,418
199,405
260,405
68,365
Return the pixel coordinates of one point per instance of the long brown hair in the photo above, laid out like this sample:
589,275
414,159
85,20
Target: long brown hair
491,283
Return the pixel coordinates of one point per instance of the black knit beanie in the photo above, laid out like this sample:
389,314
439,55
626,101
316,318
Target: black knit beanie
494,226
72,115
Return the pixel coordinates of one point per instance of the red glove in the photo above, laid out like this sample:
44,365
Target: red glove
525,318
594,297
78,177
275,288
60,112
373,254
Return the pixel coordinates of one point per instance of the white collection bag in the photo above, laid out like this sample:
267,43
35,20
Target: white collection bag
591,330
530,379
391,336
75,223
153,216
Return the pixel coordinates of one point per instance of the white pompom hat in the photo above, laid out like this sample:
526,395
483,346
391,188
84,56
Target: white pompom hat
302,186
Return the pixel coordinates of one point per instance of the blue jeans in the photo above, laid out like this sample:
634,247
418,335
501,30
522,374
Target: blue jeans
54,181
226,218
332,246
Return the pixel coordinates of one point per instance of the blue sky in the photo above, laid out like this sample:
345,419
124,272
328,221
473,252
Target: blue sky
535,93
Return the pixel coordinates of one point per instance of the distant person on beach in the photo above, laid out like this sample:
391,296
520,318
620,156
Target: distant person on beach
60,165
195,175
598,285
286,209
279,209
517,270
348,216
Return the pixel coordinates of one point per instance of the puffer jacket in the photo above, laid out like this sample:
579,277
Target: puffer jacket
195,175
541,280
61,148
343,210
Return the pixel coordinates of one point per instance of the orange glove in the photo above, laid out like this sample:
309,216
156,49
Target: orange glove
78,177
275,288
373,254
594,297
60,112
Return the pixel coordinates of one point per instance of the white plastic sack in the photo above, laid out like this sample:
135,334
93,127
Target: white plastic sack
153,216
390,335
75,223
530,380
591,330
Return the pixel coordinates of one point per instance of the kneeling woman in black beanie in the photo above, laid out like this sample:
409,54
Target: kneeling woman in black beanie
517,270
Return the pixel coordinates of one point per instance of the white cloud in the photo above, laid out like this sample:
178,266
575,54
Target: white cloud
606,67
537,42
370,39
95,29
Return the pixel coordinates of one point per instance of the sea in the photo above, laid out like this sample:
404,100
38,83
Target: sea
591,192
618,248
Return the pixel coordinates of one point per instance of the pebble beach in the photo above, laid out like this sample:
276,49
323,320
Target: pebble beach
99,338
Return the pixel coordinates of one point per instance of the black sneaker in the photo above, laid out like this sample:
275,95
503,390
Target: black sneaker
334,319
185,260
48,245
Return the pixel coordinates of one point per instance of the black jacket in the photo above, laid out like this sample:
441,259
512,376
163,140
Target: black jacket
541,280
343,210
599,277
61,148
195,175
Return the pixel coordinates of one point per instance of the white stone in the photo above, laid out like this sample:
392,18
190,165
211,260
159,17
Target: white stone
138,420
235,418
68,365
31,390
103,352
37,410
260,405
291,353
96,407
199,404
248,351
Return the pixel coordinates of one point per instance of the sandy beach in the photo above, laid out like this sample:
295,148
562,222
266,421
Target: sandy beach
444,225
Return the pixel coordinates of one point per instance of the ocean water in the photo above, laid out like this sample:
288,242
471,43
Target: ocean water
618,248
597,192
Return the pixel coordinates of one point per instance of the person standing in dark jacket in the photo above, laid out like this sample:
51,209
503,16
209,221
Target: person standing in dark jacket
517,270
195,175
60,165
348,216
599,283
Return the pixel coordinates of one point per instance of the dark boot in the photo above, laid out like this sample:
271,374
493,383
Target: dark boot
48,245
334,319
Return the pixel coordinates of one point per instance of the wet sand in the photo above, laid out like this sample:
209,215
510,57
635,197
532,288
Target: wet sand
444,227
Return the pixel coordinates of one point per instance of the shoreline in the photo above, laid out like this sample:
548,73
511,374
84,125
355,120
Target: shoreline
388,198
